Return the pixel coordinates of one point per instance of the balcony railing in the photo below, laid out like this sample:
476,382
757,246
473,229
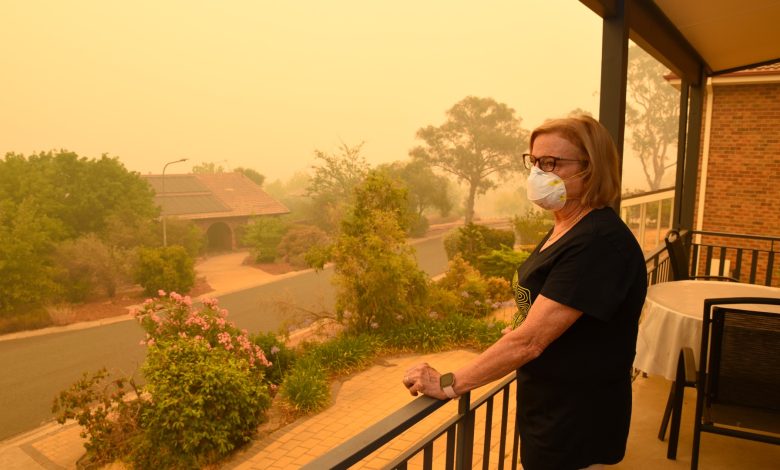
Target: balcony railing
453,443
450,445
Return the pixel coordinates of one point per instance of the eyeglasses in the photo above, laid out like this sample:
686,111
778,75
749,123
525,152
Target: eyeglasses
546,163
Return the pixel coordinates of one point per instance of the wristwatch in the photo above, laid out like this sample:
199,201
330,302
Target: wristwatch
447,382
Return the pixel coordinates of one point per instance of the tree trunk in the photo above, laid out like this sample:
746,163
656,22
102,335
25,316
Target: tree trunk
469,218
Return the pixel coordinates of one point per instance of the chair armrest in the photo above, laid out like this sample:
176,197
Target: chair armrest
689,364
717,278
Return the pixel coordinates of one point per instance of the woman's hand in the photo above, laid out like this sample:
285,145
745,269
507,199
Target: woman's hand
424,379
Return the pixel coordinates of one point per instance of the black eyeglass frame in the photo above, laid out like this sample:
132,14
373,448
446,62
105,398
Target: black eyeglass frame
546,161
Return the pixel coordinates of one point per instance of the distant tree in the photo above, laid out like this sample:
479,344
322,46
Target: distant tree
651,113
253,175
208,168
79,193
333,181
293,194
49,198
580,112
426,191
26,267
481,139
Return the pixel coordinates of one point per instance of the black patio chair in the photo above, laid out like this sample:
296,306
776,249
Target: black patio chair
679,260
738,385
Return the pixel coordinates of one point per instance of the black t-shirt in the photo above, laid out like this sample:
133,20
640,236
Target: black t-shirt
575,398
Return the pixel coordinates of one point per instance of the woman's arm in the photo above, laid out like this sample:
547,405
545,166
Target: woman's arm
546,321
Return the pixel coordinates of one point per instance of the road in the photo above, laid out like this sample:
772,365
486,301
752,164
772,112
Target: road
35,369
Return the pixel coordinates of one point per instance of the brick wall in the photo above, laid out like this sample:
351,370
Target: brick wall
743,179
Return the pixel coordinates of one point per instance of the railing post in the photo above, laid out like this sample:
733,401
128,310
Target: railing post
465,452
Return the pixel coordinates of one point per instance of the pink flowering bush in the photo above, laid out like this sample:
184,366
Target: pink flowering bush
173,316
205,394
206,381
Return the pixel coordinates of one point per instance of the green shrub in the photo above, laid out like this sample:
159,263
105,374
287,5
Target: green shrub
437,332
502,263
419,226
297,242
425,334
108,420
306,387
30,318
87,263
185,233
531,226
205,402
473,241
167,269
476,295
465,331
205,392
263,235
345,353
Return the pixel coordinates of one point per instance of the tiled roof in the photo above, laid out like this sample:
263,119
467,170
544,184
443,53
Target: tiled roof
207,196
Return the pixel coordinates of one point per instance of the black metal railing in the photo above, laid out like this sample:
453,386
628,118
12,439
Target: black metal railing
451,444
658,268
748,258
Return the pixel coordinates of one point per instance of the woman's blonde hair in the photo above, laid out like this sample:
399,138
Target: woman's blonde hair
601,177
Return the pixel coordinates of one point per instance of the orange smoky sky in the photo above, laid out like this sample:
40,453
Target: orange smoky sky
262,84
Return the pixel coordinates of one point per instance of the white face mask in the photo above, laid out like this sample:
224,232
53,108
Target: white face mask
546,189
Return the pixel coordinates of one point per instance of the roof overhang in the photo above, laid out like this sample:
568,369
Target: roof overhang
695,37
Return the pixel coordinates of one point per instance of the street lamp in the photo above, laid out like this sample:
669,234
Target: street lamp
165,233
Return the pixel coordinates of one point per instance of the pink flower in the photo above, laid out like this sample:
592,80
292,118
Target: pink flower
275,350
161,293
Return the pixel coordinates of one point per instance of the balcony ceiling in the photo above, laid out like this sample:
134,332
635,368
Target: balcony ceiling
721,35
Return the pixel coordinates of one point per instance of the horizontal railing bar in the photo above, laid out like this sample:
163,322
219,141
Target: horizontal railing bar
376,435
430,437
494,391
735,235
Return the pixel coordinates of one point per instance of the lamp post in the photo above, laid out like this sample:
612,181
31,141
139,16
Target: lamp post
165,232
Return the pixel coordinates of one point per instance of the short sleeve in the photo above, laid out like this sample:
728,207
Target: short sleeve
592,276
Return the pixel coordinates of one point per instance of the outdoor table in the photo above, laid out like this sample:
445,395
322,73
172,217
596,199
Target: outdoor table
672,318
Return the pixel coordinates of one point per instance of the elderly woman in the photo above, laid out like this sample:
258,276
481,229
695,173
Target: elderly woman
579,296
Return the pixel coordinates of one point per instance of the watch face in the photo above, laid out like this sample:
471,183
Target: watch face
447,380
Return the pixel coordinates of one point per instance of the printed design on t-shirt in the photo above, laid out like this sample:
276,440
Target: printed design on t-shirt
522,300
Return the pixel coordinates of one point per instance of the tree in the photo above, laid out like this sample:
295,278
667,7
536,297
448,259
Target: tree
333,181
26,270
253,175
480,139
651,114
51,197
79,193
378,282
426,190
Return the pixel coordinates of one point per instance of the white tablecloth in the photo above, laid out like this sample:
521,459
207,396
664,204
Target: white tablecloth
672,316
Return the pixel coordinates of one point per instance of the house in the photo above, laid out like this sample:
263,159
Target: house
219,203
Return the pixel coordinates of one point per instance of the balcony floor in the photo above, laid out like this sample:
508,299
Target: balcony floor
716,452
